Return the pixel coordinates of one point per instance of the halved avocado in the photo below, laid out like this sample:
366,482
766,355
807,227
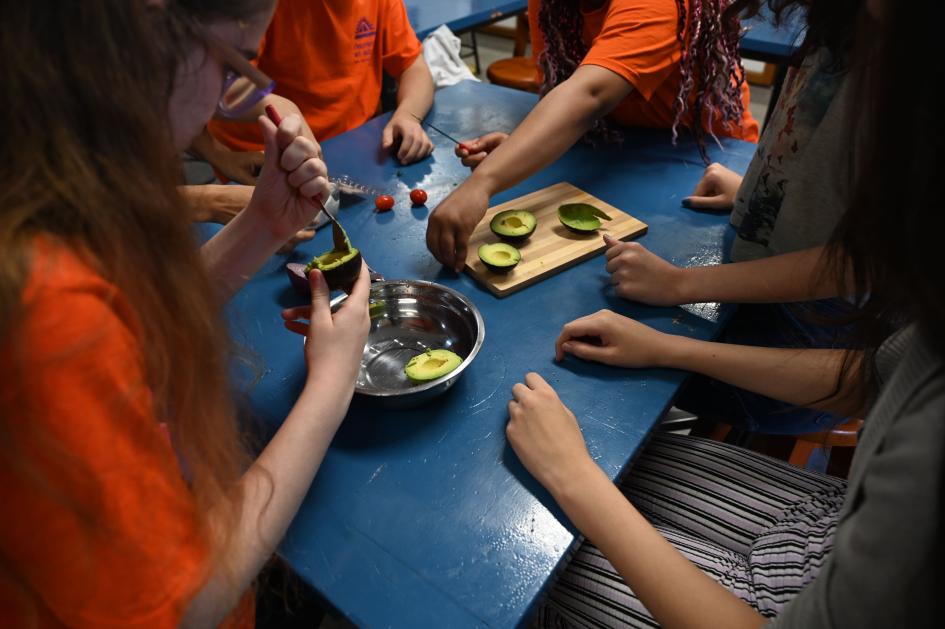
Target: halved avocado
513,225
431,364
340,265
499,257
581,217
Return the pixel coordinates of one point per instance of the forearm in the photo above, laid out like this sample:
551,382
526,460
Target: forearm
814,378
555,124
215,202
651,566
234,255
273,489
786,278
415,89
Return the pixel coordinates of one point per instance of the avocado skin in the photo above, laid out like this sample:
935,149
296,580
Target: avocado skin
341,277
499,269
508,237
578,230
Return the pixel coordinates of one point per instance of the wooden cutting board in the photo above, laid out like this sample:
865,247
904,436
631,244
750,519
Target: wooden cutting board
552,247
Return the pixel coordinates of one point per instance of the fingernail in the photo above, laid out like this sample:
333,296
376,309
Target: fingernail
686,203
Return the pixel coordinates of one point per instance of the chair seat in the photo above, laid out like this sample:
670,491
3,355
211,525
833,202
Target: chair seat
519,73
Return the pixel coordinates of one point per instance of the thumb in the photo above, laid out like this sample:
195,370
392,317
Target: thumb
321,309
585,351
610,241
706,203
271,147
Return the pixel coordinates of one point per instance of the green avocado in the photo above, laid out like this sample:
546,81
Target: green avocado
431,364
341,265
514,225
499,257
581,217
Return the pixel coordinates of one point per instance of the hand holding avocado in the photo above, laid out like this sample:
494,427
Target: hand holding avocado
608,338
546,437
336,341
292,176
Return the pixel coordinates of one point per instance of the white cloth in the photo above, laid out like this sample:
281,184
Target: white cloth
441,52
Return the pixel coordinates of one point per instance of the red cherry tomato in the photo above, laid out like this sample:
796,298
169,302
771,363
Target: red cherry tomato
418,196
384,203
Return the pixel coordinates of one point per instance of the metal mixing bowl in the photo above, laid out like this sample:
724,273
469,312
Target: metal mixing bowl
409,317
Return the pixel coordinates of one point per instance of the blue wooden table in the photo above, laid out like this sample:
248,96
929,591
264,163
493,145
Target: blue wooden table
460,15
425,517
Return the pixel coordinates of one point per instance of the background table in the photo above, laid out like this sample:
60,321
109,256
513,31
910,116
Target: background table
425,517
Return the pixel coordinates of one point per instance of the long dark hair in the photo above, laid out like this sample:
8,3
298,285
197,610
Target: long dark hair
710,69
89,164
891,234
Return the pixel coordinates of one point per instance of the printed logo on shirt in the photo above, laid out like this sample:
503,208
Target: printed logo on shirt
364,29
364,36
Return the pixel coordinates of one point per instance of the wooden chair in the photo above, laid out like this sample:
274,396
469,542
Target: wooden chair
842,436
518,72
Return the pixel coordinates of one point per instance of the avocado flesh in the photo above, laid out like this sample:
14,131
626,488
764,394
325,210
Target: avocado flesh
341,265
581,217
513,224
499,257
432,364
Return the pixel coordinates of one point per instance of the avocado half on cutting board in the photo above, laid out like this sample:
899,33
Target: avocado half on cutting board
499,257
582,218
513,225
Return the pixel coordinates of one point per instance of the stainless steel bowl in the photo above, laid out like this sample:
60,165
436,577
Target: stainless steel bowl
409,317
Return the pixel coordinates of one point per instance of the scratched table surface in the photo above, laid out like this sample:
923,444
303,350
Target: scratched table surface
762,40
425,517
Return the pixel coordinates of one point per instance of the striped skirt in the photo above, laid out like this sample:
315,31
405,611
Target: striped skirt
758,526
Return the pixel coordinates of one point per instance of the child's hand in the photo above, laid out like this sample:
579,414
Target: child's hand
414,142
293,175
474,151
546,436
452,223
716,190
335,342
643,276
608,338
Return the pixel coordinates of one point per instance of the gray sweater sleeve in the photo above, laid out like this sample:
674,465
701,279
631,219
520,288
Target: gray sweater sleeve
882,572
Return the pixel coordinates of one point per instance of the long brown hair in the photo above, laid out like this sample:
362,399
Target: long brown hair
88,162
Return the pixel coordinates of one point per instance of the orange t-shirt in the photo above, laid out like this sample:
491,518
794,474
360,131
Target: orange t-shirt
110,535
329,59
636,39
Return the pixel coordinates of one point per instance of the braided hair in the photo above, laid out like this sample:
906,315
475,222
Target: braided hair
711,73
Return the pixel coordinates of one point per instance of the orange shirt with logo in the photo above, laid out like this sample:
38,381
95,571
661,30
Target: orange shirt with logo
99,527
636,39
329,59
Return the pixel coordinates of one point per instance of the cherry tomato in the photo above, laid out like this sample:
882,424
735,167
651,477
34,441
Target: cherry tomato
384,203
418,196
